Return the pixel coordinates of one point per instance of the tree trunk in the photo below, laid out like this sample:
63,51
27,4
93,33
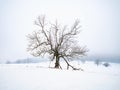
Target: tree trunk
57,64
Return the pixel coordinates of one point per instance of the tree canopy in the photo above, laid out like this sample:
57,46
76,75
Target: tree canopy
59,41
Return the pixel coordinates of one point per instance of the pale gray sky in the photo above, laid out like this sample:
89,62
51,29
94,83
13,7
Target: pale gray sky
99,20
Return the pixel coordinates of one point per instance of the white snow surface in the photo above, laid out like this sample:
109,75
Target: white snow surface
39,77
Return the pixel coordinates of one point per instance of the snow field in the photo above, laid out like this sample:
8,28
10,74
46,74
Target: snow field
39,77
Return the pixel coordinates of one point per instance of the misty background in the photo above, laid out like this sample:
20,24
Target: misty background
99,19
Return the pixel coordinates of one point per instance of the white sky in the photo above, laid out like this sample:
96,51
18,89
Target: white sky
99,20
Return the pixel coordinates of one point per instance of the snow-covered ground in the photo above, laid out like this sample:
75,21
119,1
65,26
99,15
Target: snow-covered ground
38,77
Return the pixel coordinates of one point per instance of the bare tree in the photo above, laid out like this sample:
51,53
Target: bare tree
97,62
56,40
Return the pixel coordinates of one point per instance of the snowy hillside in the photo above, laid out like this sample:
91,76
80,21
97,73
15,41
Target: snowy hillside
38,77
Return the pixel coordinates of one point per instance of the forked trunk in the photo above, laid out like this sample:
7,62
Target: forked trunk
57,64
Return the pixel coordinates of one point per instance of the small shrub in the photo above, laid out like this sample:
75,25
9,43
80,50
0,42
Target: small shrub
106,64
